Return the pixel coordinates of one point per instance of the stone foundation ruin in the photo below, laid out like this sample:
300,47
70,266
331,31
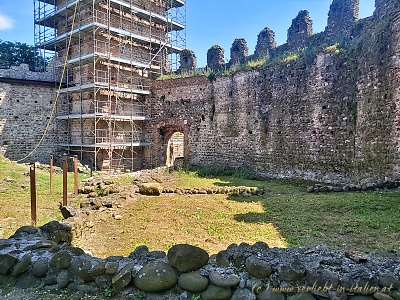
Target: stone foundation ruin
43,257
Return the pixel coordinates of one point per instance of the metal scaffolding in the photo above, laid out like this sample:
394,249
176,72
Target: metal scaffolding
112,49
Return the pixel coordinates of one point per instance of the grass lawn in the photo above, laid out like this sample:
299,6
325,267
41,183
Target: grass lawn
362,221
15,196
286,216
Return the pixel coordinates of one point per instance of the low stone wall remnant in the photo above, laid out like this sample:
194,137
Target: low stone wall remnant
43,257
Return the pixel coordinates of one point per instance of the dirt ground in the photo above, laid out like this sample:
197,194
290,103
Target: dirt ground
127,219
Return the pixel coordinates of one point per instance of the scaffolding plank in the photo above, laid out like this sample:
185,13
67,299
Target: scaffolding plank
105,116
61,38
49,20
102,85
91,56
144,14
108,145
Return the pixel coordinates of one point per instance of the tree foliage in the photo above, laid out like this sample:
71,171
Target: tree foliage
16,53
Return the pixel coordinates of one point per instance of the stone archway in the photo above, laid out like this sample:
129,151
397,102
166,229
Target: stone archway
173,143
175,148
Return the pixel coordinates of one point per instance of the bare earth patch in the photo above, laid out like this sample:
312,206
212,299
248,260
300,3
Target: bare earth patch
211,222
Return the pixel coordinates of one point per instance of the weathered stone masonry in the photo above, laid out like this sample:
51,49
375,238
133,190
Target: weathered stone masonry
26,101
44,258
336,119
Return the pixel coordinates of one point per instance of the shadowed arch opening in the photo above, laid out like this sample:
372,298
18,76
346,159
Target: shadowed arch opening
175,148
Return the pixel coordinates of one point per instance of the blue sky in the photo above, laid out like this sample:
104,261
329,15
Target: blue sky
208,22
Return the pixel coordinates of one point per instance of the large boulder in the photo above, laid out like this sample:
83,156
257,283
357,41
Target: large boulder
214,292
61,260
224,280
7,261
122,278
40,267
63,279
81,267
22,266
187,258
293,272
58,232
257,267
150,189
156,277
193,282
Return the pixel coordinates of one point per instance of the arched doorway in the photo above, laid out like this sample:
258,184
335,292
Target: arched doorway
175,148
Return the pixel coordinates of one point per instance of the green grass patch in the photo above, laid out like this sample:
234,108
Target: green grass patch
15,196
285,216
361,221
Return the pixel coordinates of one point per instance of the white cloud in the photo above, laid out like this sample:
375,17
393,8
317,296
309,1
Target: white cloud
6,22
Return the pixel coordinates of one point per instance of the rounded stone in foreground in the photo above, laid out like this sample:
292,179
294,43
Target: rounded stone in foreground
387,280
111,268
122,278
243,294
310,189
257,267
214,292
224,280
7,261
193,282
293,272
40,268
81,267
156,277
61,260
396,295
63,279
382,296
270,295
22,266
187,258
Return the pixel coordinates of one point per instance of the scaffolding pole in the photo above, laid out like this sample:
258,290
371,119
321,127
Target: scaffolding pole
118,48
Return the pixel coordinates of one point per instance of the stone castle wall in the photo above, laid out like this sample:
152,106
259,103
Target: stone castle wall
22,72
26,102
335,119
25,109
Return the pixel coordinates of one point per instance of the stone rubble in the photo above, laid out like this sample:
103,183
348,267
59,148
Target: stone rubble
42,258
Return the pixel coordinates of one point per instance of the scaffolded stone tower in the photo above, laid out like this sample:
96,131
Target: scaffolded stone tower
111,51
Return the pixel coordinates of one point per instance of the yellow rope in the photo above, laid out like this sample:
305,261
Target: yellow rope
58,91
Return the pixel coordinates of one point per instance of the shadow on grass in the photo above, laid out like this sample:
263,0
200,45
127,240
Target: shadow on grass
361,221
251,217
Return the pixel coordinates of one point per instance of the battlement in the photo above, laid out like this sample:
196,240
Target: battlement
300,30
343,16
